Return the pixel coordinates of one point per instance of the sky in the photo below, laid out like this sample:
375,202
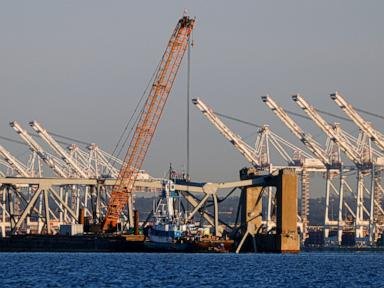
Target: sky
80,67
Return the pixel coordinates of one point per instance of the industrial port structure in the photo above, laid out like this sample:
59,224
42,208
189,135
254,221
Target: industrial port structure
73,184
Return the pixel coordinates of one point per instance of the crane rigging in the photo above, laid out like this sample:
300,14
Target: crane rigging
148,120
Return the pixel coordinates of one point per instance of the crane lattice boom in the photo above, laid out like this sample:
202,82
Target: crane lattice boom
306,139
358,120
248,152
148,120
332,133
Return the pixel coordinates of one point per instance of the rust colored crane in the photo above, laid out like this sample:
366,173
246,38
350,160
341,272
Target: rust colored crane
149,118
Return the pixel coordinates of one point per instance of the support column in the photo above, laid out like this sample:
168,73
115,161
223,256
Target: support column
359,205
251,217
340,222
86,192
3,219
46,209
61,206
286,208
304,202
372,207
40,211
216,215
326,211
130,209
11,207
378,217
269,209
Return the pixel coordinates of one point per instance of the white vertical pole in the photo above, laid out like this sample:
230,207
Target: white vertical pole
372,208
3,220
326,212
340,222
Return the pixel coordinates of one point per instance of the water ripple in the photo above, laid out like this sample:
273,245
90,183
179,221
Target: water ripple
191,270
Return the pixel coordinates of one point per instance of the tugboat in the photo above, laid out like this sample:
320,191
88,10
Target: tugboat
169,229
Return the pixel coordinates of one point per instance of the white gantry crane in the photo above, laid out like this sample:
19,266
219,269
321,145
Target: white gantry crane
57,169
35,147
22,171
58,149
364,165
376,136
259,156
364,125
247,151
19,167
306,139
328,158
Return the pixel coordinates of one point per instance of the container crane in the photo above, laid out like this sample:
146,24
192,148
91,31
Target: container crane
327,160
365,126
35,147
329,130
57,148
23,172
363,166
14,163
148,120
374,134
306,139
259,158
247,151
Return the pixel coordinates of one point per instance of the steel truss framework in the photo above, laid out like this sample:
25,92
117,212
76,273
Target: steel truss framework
42,203
327,160
23,203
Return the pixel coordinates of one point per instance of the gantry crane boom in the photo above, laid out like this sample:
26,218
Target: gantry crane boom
34,146
247,151
341,141
358,120
57,148
148,120
306,139
15,164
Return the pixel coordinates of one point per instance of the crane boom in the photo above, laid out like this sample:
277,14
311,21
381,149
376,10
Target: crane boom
56,146
148,120
34,146
15,164
358,120
343,143
306,139
247,151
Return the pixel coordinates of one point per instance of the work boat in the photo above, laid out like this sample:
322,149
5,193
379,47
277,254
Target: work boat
169,229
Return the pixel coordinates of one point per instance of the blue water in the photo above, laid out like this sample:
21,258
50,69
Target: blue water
191,270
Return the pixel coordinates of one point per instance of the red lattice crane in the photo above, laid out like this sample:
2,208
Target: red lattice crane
149,118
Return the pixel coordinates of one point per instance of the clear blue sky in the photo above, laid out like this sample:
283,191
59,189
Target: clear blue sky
79,67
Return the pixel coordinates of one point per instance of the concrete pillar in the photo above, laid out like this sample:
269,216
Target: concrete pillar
251,215
287,238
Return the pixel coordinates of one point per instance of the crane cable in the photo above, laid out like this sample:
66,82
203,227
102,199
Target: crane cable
122,143
190,44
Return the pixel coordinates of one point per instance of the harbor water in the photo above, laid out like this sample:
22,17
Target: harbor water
334,269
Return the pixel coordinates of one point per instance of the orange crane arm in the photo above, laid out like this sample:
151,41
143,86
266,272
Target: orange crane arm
149,118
